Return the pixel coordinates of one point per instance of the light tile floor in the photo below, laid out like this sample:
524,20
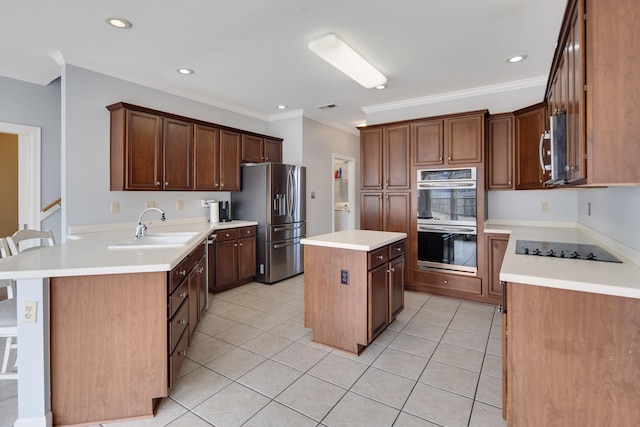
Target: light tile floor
253,363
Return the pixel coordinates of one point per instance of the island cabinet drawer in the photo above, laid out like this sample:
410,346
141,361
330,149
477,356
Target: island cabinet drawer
454,282
181,271
177,325
177,357
227,234
396,249
177,297
378,257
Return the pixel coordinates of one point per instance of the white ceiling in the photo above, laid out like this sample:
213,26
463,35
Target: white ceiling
251,55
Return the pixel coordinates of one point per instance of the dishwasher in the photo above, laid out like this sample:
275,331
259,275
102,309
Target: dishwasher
211,263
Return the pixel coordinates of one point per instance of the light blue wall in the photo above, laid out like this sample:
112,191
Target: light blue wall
319,142
34,105
86,148
524,205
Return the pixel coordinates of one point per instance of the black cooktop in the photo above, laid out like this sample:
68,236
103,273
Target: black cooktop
564,250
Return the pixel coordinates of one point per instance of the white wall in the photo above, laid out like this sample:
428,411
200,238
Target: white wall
319,142
291,130
524,205
85,148
615,212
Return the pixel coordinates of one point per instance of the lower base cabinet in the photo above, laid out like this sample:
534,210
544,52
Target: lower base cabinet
235,257
572,358
349,316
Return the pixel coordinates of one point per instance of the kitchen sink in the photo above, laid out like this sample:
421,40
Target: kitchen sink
156,240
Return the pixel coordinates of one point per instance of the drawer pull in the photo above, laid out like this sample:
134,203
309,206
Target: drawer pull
183,273
399,249
182,321
248,231
182,352
445,282
182,294
391,270
380,257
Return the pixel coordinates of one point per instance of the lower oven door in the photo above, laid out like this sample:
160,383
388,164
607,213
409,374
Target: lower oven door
450,247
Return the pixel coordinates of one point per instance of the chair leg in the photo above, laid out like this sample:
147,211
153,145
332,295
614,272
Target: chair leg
7,351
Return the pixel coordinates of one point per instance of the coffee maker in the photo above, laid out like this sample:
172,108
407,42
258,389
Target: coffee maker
224,211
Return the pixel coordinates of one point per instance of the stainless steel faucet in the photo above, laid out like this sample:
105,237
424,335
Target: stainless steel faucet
141,229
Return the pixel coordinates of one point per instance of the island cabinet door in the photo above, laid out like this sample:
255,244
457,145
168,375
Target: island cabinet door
396,287
378,301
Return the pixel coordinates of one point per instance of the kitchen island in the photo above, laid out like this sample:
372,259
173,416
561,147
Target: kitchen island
98,350
571,333
353,286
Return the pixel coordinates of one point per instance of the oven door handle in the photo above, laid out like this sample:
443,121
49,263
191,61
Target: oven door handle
468,230
447,185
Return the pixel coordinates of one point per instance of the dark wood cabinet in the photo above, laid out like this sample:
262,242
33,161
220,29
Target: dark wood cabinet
384,157
206,158
371,211
378,301
257,149
235,257
197,293
450,140
177,146
500,152
385,280
496,248
230,147
593,81
530,124
155,150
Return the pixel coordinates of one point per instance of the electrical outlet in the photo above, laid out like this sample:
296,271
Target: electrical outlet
344,277
29,311
148,205
179,205
544,206
115,207
204,203
588,208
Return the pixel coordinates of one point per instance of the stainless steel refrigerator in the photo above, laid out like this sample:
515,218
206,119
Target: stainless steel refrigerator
274,194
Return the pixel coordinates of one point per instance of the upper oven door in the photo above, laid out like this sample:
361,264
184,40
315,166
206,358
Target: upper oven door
447,202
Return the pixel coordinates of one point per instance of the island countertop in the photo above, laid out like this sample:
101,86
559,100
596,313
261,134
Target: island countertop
358,240
87,253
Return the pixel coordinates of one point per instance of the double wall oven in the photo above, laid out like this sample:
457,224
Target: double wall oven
447,219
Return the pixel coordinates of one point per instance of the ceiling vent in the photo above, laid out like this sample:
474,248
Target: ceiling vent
326,106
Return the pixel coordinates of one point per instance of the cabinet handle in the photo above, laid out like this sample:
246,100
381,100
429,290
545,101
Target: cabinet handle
449,157
157,183
391,270
380,257
235,245
182,352
379,185
183,273
440,158
399,249
248,231
226,235
509,182
183,321
182,294
386,183
166,183
445,282
240,244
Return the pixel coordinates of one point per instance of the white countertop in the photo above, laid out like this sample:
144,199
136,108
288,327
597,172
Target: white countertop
578,275
358,240
88,253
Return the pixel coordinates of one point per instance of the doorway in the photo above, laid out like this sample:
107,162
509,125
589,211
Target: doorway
29,166
344,217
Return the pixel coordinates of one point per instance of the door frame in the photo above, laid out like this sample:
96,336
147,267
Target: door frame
29,171
351,176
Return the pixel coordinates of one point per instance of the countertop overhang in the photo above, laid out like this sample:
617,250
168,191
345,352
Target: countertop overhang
578,275
358,240
87,254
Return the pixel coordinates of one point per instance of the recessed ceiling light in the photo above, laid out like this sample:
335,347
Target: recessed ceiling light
380,87
116,22
282,107
516,58
185,71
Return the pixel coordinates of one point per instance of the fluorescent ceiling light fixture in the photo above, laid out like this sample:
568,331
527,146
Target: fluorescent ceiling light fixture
337,53
185,71
282,107
516,58
116,22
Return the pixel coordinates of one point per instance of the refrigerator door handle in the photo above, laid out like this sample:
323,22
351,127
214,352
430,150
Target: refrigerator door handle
284,245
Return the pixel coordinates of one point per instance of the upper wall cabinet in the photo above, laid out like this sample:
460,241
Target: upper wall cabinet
258,150
149,152
384,156
500,152
451,140
594,79
153,150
